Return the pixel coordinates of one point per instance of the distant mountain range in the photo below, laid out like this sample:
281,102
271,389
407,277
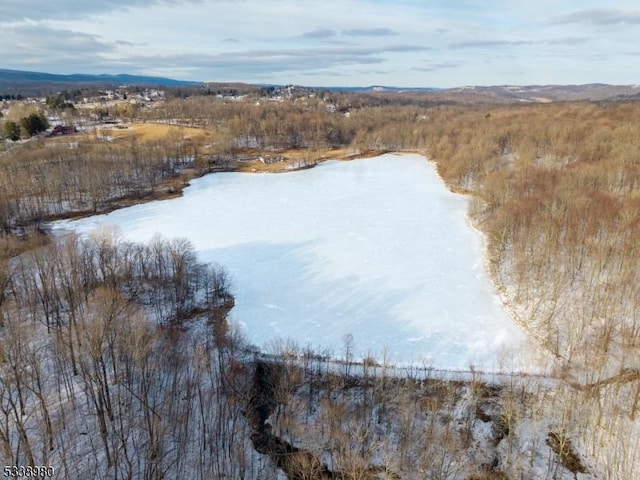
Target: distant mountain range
26,83
510,93
551,93
37,83
517,93
383,88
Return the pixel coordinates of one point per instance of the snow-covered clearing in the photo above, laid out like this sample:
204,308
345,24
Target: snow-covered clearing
376,249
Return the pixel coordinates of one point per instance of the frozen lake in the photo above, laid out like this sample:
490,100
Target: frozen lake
376,248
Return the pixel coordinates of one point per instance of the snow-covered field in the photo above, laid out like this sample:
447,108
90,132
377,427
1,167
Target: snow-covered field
376,249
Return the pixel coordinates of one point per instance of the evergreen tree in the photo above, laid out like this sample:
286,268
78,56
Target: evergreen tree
34,124
12,130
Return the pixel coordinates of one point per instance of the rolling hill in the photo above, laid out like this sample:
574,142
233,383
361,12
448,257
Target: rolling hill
38,83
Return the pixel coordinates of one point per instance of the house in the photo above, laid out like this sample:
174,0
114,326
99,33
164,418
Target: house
63,130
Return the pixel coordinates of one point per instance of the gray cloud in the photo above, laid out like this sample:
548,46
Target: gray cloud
489,43
318,34
566,41
516,43
274,62
600,16
374,71
42,45
125,43
338,42
370,32
433,67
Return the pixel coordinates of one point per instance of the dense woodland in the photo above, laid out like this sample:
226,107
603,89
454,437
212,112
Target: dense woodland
117,360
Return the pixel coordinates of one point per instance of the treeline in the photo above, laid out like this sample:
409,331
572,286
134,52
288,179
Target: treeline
372,420
53,282
40,181
313,122
555,190
98,376
260,124
45,179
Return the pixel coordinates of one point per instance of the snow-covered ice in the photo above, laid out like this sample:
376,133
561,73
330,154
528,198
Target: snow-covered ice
376,248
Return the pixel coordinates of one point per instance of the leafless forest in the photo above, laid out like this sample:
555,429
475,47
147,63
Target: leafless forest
117,360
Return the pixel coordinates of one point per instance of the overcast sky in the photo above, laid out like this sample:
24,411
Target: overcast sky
438,43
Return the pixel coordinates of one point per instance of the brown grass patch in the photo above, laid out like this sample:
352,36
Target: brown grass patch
563,447
155,131
12,245
298,159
